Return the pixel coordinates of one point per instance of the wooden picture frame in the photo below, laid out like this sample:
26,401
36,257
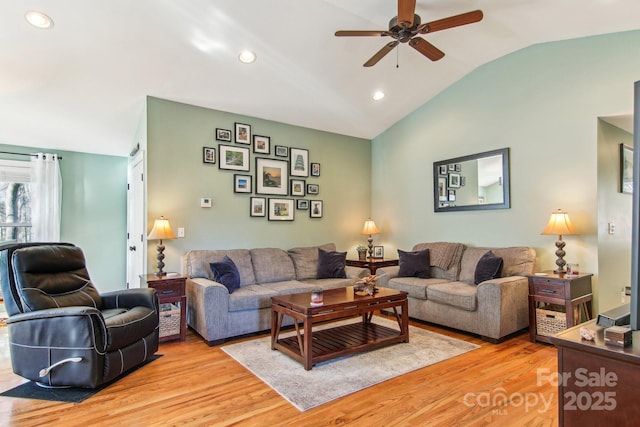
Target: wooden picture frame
315,169
223,134
272,176
281,151
233,158
378,252
209,155
316,209
299,162
302,204
626,169
258,207
243,133
313,189
297,187
261,144
242,183
281,210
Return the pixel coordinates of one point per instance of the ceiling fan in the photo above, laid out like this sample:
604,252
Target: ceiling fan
406,28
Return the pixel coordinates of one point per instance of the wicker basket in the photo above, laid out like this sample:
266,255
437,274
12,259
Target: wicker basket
549,322
169,320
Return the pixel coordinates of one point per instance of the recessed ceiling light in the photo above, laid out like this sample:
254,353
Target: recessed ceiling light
378,95
247,56
38,19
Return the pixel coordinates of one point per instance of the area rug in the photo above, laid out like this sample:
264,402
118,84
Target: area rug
339,377
31,390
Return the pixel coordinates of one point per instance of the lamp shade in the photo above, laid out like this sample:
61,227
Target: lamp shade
559,224
369,227
161,230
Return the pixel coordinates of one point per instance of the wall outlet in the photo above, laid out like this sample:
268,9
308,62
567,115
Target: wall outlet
205,202
180,231
611,228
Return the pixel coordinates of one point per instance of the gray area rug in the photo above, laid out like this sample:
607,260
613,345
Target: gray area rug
339,377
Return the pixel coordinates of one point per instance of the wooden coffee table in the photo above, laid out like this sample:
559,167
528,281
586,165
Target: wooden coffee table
310,347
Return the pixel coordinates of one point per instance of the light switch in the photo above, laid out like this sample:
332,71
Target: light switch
180,231
205,202
612,228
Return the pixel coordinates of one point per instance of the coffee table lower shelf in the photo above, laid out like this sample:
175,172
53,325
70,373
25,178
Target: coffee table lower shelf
341,341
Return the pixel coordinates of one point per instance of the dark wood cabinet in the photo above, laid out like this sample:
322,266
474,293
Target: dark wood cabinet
562,298
171,290
372,263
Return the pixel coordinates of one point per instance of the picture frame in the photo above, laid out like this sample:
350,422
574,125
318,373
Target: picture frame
313,189
281,210
258,207
242,183
315,169
233,158
223,134
626,169
442,170
452,195
243,133
272,176
458,167
302,204
442,189
299,162
261,144
297,187
454,180
281,151
378,252
209,155
316,209
451,167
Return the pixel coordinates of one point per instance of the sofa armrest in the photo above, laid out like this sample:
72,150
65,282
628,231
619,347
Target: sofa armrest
504,305
356,272
207,308
385,274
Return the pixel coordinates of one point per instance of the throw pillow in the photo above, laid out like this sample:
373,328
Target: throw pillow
414,264
488,267
225,272
331,264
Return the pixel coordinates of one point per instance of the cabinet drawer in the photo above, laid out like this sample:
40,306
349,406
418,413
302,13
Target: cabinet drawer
168,289
549,289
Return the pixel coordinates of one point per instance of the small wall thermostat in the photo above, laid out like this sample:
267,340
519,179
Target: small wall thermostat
205,202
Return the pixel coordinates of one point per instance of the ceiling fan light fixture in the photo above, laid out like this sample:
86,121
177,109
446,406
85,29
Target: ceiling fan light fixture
378,95
38,19
247,57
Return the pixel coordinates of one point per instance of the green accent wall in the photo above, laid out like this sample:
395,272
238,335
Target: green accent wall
178,179
543,102
94,205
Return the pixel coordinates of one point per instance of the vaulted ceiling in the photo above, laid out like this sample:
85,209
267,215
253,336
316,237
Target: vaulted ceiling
82,85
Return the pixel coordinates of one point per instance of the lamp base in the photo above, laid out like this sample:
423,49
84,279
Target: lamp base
160,258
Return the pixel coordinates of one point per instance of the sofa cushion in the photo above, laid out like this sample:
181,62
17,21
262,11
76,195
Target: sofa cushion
414,264
251,297
226,273
489,267
456,294
443,254
305,260
325,284
272,265
288,287
517,260
331,264
196,263
414,286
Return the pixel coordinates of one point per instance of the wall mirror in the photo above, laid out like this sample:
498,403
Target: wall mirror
475,182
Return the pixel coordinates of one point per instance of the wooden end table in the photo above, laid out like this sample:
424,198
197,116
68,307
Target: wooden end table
372,263
170,289
310,347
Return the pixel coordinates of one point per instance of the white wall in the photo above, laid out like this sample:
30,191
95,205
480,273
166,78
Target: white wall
543,102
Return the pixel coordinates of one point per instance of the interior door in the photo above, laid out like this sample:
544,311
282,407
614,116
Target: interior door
136,248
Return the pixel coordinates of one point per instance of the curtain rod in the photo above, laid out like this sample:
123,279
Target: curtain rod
23,154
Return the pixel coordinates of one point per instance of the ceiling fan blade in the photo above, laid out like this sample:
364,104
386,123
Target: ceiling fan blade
381,53
426,48
406,11
452,21
356,33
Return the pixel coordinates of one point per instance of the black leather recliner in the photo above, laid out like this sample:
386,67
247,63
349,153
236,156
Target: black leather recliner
62,332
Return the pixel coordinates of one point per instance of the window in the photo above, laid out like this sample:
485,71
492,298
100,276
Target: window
15,201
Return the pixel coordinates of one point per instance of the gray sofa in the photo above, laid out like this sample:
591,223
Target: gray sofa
216,314
492,309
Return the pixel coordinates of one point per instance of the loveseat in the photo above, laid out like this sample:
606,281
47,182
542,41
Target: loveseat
492,308
216,313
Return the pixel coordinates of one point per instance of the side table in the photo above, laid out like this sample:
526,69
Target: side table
171,290
372,263
548,292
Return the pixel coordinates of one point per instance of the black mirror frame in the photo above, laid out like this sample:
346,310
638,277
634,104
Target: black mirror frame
506,192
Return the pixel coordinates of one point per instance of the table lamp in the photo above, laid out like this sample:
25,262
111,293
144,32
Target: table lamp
559,224
370,228
161,231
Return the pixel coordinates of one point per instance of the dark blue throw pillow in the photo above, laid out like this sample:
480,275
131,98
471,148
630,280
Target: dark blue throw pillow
331,264
414,264
226,273
488,267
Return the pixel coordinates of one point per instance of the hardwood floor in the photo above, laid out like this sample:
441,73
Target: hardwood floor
193,384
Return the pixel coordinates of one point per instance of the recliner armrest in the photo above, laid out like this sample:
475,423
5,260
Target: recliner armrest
128,298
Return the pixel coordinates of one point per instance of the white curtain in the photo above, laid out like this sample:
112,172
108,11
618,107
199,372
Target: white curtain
46,198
